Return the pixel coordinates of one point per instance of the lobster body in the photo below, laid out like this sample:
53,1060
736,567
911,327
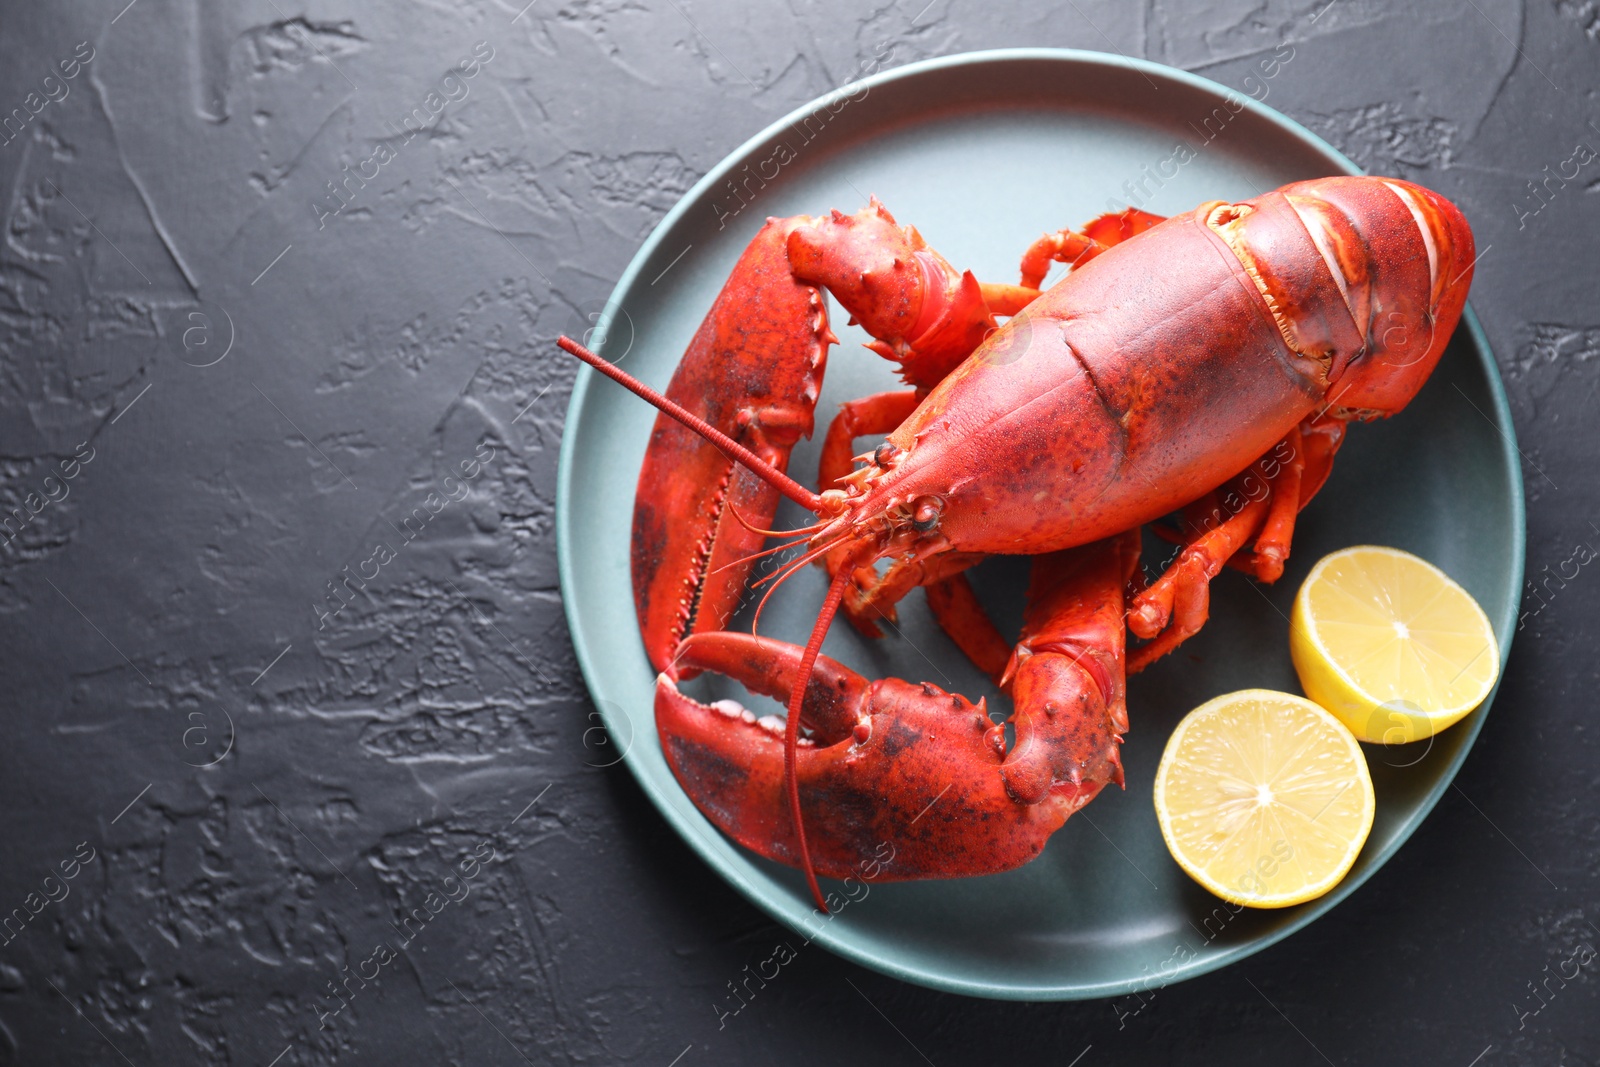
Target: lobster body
1177,362
1165,367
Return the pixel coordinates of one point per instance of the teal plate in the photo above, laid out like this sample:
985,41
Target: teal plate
984,152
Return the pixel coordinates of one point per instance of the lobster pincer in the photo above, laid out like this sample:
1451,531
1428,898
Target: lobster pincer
909,764
753,371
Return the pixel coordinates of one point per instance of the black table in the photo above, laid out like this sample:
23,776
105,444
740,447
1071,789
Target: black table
279,287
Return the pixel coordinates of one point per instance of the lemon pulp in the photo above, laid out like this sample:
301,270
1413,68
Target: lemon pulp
1390,644
1264,798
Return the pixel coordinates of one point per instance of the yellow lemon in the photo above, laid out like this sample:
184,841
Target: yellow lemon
1264,798
1389,644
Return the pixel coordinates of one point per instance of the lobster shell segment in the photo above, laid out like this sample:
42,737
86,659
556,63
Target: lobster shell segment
1403,257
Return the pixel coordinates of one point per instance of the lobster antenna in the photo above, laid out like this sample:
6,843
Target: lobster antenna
733,449
791,733
813,528
768,552
789,571
774,550
830,607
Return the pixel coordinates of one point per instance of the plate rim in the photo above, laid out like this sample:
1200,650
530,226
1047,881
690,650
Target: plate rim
841,944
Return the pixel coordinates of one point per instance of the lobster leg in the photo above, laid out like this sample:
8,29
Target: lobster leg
911,767
1007,299
1304,473
1176,605
956,609
872,596
1247,524
874,414
1080,246
1321,439
1277,530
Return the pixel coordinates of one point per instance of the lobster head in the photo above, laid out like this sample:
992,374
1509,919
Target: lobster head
1401,258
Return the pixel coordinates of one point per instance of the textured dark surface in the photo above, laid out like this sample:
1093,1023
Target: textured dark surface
170,600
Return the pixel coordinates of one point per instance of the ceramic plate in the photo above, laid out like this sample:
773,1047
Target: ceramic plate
983,152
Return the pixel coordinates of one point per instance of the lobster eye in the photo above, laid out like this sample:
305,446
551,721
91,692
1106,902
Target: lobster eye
925,512
885,454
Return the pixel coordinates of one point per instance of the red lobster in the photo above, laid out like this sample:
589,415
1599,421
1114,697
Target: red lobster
1205,364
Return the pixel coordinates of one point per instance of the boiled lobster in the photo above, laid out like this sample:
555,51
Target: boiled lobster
1203,366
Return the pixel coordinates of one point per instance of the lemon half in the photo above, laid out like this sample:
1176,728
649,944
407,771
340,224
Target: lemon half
1264,798
1388,643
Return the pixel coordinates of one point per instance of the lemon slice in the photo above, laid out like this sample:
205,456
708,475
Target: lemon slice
1264,798
1389,644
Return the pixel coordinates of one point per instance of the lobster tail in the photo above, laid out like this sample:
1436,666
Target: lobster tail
1402,257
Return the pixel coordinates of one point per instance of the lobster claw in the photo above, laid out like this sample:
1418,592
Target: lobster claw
888,763
923,313
753,371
